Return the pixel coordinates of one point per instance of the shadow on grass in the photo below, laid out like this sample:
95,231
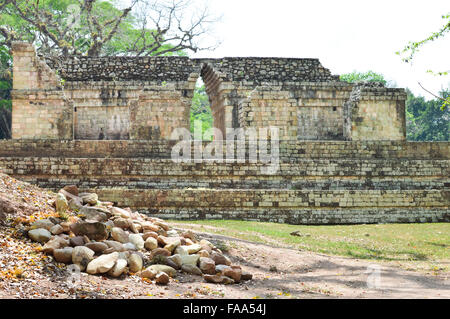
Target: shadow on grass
376,254
360,252
437,244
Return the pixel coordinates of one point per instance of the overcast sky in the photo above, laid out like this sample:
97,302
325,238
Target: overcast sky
345,35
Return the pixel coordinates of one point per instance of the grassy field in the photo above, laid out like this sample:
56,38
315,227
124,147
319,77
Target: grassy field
412,246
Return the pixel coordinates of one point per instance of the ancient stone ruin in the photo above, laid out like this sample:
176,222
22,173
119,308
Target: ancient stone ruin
106,124
126,98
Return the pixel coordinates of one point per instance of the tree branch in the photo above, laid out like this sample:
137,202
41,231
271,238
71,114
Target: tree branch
436,96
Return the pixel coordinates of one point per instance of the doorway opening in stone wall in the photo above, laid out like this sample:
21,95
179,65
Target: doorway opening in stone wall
200,113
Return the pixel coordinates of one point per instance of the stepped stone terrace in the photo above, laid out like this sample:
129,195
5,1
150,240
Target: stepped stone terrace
106,124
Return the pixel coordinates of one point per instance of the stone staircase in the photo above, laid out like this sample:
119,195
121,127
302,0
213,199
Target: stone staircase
326,182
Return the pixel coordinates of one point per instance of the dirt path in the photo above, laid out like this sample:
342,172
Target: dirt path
301,273
278,273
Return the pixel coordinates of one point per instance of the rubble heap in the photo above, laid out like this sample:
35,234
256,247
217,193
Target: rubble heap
99,238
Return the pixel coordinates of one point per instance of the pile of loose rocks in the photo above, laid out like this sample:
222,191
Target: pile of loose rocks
99,238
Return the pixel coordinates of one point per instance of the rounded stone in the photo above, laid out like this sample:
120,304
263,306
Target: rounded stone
93,230
148,234
119,268
75,203
151,243
61,203
102,264
221,268
122,223
234,272
191,269
181,250
118,234
172,245
40,235
137,240
89,198
120,212
114,245
55,242
159,252
82,256
97,247
217,279
162,278
72,189
63,255
188,249
135,263
77,241
220,259
163,268
207,266
203,253
42,223
129,246
148,273
176,260
57,229
206,245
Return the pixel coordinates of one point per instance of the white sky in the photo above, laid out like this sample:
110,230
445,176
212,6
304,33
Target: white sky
345,35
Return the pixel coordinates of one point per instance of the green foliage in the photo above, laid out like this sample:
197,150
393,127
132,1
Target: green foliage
413,47
5,92
426,120
368,76
71,28
201,110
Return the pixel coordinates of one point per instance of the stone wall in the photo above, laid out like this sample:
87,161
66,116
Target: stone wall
129,110
40,107
290,151
375,113
335,182
307,174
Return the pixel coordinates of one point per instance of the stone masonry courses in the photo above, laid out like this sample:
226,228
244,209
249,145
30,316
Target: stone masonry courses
105,124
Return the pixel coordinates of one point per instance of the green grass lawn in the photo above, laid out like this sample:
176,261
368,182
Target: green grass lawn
414,246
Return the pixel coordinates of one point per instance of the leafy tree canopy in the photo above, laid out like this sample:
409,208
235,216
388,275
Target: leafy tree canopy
5,93
97,28
201,110
426,120
105,27
5,78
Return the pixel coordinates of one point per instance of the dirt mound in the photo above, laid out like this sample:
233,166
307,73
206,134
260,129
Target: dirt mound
54,236
19,200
